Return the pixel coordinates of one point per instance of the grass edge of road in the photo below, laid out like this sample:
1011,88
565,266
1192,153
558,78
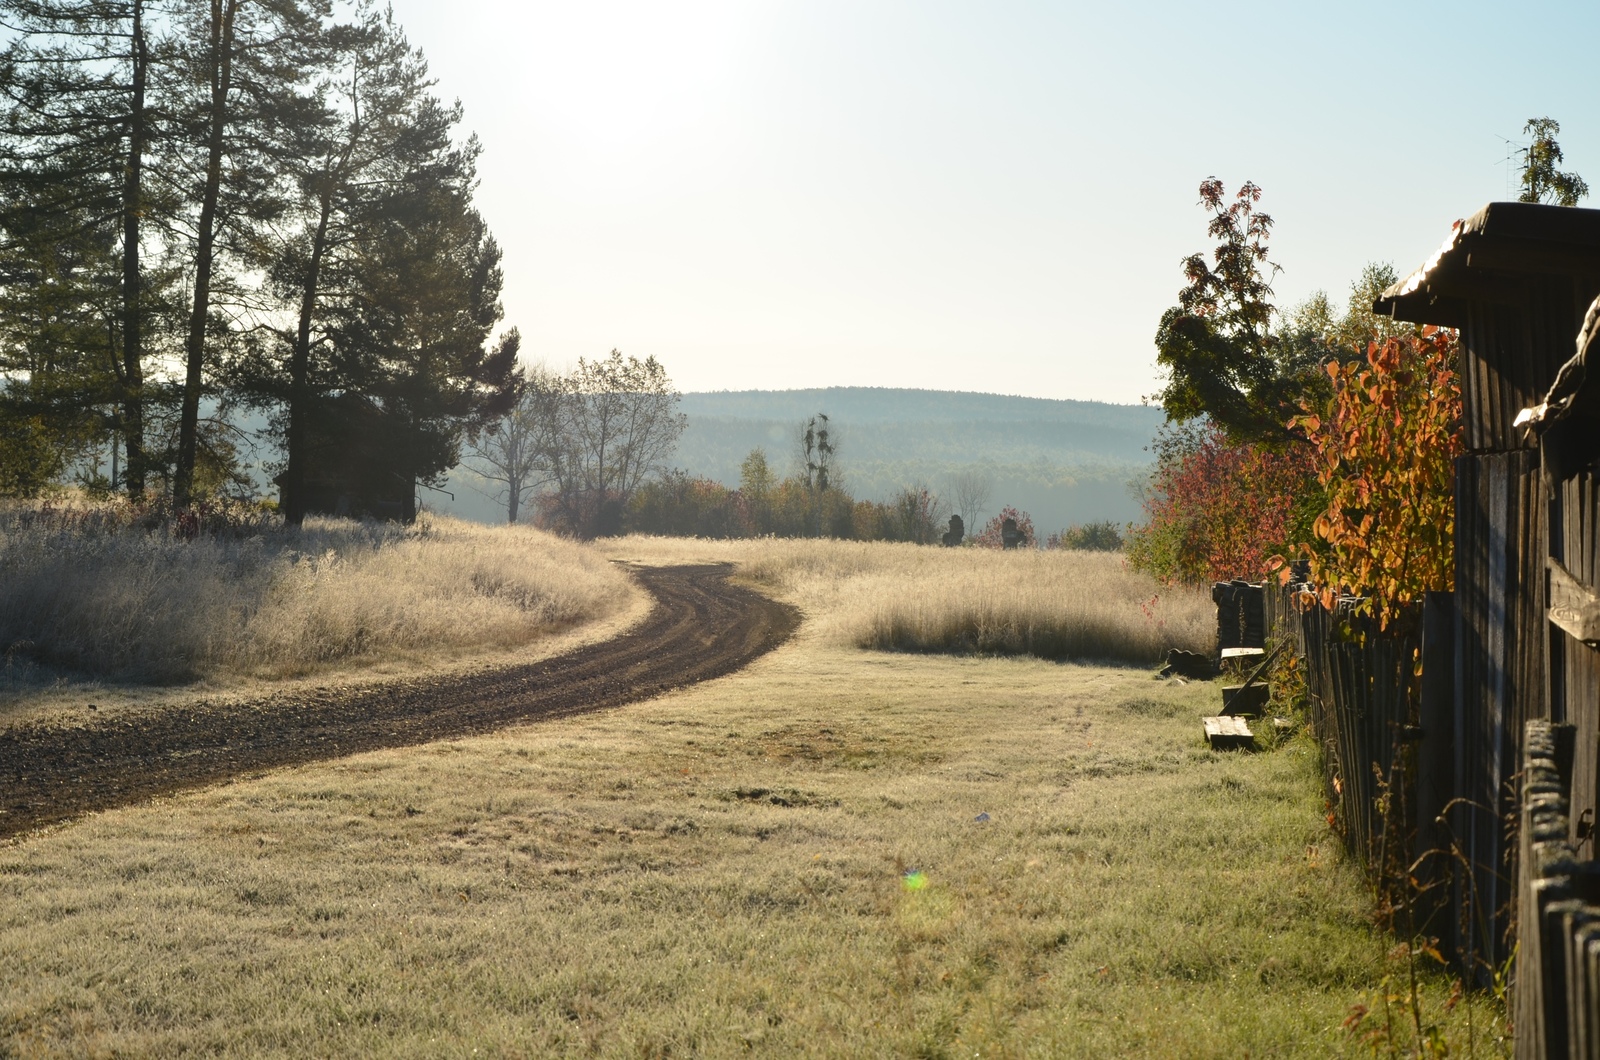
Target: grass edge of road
832,852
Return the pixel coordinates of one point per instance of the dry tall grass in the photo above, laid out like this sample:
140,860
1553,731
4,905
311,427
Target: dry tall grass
1055,605
147,605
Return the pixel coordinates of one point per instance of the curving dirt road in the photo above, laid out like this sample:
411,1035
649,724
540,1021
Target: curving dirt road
701,627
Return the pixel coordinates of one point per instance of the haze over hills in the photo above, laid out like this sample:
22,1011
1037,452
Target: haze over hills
1063,462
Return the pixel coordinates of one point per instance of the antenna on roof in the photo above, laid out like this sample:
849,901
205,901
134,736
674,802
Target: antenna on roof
1519,155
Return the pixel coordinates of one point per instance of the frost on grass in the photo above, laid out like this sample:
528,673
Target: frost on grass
132,603
1062,604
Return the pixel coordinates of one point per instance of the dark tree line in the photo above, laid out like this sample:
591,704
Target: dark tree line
259,202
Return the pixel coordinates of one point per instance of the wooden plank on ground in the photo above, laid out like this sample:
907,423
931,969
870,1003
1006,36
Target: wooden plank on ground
1227,731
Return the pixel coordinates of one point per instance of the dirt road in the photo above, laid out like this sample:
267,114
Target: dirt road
701,628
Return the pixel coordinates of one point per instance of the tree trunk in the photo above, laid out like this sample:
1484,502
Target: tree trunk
221,69
132,321
294,475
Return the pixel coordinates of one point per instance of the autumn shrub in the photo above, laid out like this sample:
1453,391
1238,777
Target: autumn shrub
914,514
1385,446
1218,509
797,510
682,505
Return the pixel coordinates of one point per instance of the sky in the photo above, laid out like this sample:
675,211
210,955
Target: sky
973,196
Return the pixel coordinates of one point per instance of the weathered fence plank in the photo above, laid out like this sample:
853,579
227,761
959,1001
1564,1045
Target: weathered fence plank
1556,1004
1499,678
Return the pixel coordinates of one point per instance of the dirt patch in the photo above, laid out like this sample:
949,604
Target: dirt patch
701,627
836,748
790,797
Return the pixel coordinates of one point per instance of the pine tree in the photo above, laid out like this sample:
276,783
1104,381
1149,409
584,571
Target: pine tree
412,330
392,278
241,91
77,126
58,288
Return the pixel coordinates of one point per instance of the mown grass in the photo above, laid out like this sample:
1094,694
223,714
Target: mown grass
1061,604
140,605
724,872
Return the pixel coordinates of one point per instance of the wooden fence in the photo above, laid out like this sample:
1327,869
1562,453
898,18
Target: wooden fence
1405,762
1499,673
1359,689
1389,751
1558,961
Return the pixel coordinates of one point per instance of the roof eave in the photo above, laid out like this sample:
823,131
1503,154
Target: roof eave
1488,256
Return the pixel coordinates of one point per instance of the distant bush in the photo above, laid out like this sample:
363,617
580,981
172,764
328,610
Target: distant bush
912,515
1103,536
678,505
681,505
990,535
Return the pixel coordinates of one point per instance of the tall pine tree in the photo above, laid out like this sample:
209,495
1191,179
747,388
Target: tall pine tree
74,135
243,70
393,278
301,185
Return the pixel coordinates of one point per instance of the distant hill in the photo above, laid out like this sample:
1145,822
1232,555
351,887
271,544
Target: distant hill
1062,461
870,404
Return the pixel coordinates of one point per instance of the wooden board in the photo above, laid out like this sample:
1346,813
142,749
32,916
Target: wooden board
1244,699
1574,607
1227,731
1501,642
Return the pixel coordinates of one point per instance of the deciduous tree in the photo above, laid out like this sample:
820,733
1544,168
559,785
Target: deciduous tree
1216,345
1541,180
508,453
614,423
816,443
756,485
970,491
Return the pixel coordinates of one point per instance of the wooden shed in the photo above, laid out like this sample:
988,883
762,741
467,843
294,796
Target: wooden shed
1516,279
1567,425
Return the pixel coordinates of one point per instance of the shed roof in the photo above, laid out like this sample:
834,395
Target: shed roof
1488,254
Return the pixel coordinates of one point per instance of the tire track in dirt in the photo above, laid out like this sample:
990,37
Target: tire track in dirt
701,627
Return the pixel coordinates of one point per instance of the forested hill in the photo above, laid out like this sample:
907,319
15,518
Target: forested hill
1062,461
863,404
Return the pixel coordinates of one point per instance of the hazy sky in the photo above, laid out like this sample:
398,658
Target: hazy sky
969,196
